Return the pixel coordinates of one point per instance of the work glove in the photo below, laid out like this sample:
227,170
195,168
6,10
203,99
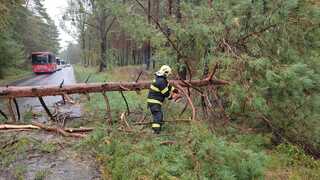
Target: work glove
175,96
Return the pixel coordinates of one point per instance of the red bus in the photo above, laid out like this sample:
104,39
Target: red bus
43,62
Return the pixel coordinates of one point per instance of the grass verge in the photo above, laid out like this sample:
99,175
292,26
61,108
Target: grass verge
13,74
182,151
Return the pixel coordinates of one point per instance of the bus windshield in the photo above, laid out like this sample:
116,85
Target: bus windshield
39,59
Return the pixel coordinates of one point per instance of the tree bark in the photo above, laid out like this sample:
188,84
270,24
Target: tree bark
103,49
169,7
52,90
210,3
178,13
147,55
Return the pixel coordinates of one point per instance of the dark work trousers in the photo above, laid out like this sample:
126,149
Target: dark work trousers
156,112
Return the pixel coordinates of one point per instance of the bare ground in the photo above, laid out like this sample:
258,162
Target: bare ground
53,157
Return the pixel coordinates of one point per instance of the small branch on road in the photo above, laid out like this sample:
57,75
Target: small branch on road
61,84
62,96
45,108
58,130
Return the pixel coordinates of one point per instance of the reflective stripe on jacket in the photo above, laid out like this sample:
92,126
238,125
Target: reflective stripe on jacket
159,90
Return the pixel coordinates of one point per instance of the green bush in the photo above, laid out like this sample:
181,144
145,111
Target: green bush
198,154
11,52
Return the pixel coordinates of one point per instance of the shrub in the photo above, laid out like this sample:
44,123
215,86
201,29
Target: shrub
197,154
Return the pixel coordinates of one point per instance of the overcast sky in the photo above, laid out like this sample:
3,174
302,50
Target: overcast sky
55,9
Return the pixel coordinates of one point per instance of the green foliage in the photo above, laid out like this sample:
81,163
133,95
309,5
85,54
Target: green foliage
19,172
294,156
11,52
288,156
24,31
273,67
198,154
41,175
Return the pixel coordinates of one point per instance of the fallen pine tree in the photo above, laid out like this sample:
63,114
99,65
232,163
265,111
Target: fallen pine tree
51,90
12,92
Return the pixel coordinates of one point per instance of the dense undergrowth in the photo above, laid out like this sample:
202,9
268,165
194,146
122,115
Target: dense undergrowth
13,74
183,150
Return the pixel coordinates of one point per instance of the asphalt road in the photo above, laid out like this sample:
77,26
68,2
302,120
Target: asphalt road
66,75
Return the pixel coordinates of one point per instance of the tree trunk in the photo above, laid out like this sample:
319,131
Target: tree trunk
157,10
210,3
147,52
38,91
178,13
103,48
183,69
83,49
169,7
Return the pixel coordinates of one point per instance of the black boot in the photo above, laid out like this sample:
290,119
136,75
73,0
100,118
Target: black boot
156,131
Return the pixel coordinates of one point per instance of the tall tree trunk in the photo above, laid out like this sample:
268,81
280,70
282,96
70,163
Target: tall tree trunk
178,13
183,68
147,51
103,48
157,17
83,49
103,42
210,3
169,7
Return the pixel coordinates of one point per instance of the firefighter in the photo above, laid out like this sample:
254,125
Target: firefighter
158,91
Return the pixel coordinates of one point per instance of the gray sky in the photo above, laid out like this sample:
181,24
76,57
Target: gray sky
55,9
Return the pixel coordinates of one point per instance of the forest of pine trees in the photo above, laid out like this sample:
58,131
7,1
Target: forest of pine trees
25,27
269,50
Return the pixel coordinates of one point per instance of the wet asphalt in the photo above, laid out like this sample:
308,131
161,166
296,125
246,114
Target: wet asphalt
65,75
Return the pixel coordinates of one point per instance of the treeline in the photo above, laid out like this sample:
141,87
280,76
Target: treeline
25,27
268,50
120,32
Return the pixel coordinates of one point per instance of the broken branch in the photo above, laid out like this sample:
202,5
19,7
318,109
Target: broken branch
10,126
125,100
58,130
190,102
11,112
46,108
17,108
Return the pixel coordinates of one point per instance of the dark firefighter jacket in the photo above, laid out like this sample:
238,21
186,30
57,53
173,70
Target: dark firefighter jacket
159,90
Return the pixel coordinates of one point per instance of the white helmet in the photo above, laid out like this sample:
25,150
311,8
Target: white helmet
165,70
